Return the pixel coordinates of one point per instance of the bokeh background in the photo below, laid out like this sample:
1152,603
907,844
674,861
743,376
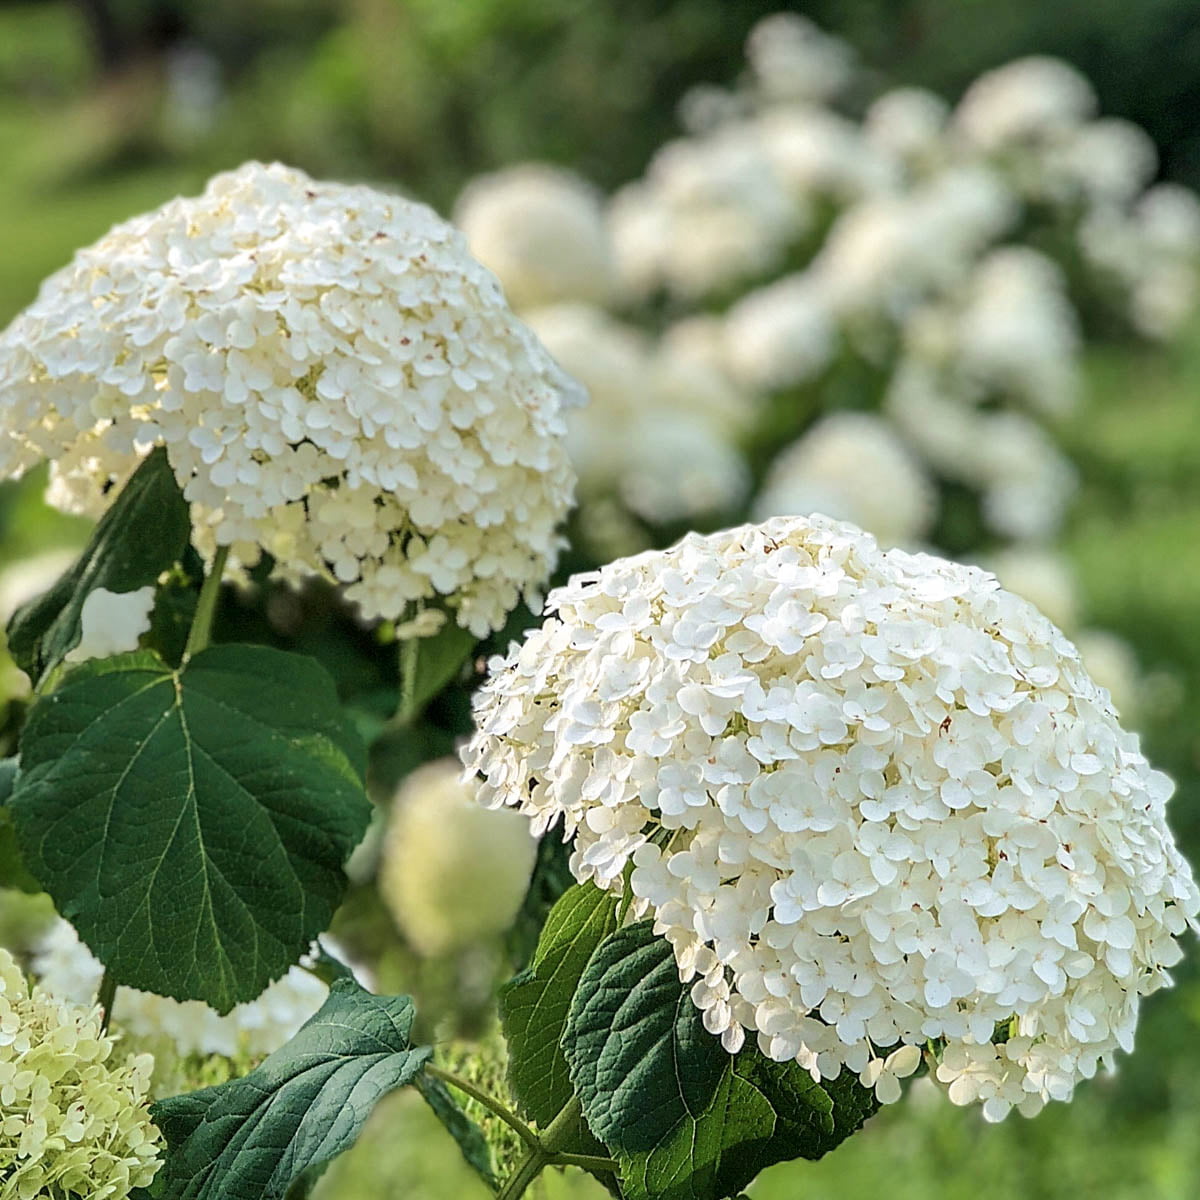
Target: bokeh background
963,316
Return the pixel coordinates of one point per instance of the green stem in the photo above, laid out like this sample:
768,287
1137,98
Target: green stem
206,606
410,651
547,1152
107,993
490,1103
589,1162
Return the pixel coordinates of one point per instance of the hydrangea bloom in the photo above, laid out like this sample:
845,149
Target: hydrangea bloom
542,231
75,1119
452,874
872,800
335,379
852,466
67,970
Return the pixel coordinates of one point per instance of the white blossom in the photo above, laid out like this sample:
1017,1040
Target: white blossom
112,622
335,380
792,59
852,466
1042,576
872,800
452,874
541,230
67,970
1031,100
909,123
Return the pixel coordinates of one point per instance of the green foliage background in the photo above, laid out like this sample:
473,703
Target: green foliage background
425,92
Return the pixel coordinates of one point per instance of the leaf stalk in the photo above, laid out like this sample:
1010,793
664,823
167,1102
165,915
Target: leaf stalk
200,633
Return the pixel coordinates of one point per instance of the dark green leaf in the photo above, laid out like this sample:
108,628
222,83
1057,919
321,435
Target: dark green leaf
13,873
686,1119
252,1138
463,1130
428,664
534,1005
143,534
192,824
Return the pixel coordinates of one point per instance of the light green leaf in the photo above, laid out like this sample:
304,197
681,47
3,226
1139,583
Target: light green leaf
428,664
144,533
470,1138
534,1005
192,824
686,1119
252,1138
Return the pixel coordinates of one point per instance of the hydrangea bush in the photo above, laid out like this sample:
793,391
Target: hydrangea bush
741,836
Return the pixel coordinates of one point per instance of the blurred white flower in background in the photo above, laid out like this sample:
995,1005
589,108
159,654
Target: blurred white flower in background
452,874
793,59
28,578
658,431
1043,577
66,969
852,466
909,124
541,230
111,623
1031,101
780,335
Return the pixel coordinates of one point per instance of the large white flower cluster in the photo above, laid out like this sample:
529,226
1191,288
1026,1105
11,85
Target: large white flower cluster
852,466
873,800
335,380
658,431
74,1116
67,970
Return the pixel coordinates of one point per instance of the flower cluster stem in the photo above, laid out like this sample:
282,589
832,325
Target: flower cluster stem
105,998
493,1105
548,1153
201,632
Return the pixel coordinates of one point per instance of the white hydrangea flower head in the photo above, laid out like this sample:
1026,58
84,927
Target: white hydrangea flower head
780,335
453,874
886,253
334,378
793,59
1044,577
690,372
681,466
112,622
1105,161
541,230
67,970
76,1115
1025,481
910,124
1017,332
854,467
872,800
820,156
709,212
657,431
1031,101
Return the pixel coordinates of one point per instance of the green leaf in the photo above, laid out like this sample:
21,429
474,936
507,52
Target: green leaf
534,1005
462,1129
686,1119
143,534
13,872
428,664
192,824
252,1138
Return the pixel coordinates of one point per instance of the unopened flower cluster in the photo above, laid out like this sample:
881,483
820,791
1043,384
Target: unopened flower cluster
74,1122
67,970
873,801
335,379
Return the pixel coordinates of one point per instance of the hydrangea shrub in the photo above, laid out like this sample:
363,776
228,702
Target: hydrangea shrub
741,836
